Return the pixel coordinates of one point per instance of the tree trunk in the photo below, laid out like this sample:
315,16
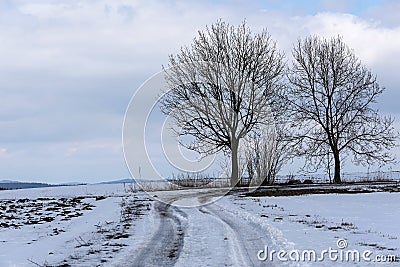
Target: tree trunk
235,164
267,179
337,179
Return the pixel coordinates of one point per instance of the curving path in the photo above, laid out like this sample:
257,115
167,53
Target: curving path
206,235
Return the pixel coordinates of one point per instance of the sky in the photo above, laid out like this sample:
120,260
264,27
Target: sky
69,68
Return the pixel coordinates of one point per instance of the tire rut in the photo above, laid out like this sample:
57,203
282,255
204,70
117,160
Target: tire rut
167,242
247,237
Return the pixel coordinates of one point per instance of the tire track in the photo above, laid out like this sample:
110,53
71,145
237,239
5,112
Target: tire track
166,244
246,237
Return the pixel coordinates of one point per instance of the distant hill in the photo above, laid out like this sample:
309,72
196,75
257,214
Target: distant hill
129,180
7,181
71,184
22,185
9,184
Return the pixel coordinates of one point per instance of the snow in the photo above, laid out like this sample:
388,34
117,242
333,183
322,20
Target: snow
76,235
202,249
34,242
107,225
365,221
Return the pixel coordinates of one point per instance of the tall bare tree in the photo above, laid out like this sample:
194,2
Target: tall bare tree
332,97
222,86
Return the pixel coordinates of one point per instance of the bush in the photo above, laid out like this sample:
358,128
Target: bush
294,181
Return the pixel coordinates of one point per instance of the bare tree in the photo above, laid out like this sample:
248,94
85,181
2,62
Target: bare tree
266,151
222,86
332,97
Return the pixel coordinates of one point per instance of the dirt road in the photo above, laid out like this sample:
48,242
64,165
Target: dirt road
184,233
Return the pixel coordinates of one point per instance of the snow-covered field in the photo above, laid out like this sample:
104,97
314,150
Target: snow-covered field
74,225
318,222
105,225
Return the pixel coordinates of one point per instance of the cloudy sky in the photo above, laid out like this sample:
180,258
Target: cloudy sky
68,68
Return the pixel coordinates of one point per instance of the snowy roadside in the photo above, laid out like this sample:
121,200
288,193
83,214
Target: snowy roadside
318,222
66,228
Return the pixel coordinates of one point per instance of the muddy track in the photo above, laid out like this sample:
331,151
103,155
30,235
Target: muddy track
167,242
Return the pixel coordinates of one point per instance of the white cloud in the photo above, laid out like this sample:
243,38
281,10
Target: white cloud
4,153
371,42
